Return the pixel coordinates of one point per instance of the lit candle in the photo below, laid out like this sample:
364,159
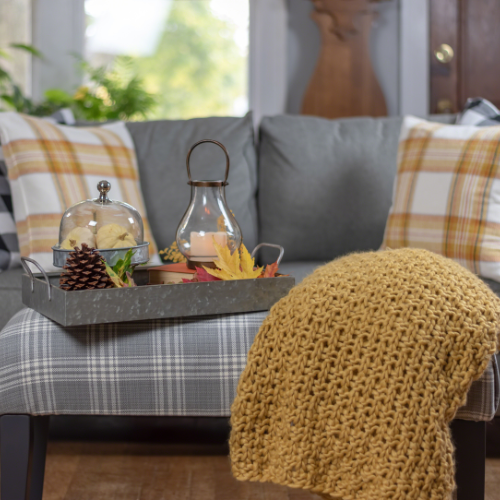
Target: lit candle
202,244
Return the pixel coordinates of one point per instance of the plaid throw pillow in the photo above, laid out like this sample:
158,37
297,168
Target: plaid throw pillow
447,194
9,246
480,112
51,167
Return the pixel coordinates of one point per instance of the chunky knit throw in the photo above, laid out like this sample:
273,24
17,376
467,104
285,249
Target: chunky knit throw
354,376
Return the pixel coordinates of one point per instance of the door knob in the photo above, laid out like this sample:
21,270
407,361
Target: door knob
444,106
444,53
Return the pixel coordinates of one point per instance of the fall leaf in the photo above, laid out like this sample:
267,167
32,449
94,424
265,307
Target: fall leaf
130,280
238,266
200,276
121,272
119,283
270,271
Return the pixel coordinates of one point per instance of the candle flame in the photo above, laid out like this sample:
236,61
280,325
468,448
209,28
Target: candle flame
207,211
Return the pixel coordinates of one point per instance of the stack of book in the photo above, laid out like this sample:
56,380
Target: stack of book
170,273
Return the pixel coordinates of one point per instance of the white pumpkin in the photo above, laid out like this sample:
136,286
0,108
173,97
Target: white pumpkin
77,236
114,236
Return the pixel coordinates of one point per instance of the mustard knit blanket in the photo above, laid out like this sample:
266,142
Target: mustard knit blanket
354,376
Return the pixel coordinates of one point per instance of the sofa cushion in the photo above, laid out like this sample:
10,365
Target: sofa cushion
162,147
52,167
9,246
299,269
446,194
325,186
479,111
10,294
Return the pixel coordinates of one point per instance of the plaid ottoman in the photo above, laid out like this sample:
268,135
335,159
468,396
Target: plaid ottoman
187,367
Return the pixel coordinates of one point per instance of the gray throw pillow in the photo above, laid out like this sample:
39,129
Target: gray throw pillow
325,186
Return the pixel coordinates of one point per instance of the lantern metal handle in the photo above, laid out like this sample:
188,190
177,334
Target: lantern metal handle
214,142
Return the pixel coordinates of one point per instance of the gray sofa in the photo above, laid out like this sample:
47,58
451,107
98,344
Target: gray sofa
320,188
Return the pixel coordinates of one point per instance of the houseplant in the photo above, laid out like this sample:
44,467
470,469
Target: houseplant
116,94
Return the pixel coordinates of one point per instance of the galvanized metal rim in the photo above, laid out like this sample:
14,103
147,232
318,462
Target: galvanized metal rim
141,245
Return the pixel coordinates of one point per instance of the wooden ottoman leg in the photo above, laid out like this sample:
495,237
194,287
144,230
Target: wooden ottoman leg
470,458
14,456
39,434
23,444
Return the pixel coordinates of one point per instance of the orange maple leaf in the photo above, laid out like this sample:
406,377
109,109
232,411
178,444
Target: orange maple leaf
270,271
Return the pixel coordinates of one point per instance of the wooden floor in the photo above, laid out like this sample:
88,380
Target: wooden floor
83,471
117,471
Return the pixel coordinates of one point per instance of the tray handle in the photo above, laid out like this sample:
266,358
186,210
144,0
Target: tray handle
272,245
24,262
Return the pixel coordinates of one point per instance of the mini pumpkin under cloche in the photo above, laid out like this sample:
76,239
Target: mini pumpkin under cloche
103,224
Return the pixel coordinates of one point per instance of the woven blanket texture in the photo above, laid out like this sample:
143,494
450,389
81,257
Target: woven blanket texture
354,376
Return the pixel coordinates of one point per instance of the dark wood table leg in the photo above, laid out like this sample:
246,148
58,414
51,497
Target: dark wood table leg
470,455
23,446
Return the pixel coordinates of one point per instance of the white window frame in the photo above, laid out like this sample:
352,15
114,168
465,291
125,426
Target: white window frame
414,61
268,84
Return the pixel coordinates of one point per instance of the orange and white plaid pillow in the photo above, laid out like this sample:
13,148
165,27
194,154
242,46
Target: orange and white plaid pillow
447,194
52,167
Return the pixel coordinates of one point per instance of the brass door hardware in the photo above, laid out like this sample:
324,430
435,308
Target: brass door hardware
444,53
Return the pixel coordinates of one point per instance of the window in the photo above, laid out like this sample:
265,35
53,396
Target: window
15,27
192,54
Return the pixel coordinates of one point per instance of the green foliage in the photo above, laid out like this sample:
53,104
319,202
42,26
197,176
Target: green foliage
197,69
121,272
110,95
11,94
118,94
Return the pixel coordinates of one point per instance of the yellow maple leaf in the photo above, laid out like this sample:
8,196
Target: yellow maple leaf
238,266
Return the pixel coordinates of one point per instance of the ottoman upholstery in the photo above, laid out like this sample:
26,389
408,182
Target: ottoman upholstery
187,367
184,367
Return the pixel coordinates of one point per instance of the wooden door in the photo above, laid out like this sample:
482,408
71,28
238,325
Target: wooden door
465,52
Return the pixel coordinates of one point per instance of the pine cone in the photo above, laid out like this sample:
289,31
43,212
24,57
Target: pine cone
85,270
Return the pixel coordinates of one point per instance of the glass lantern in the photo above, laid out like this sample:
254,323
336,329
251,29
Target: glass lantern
110,226
207,219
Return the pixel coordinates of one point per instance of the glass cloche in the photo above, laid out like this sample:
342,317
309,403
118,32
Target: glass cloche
110,226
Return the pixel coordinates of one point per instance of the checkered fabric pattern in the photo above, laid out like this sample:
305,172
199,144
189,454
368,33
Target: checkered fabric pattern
9,246
480,112
158,367
447,194
187,367
52,167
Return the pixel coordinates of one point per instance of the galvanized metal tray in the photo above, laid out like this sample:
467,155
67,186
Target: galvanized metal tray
85,307
111,255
